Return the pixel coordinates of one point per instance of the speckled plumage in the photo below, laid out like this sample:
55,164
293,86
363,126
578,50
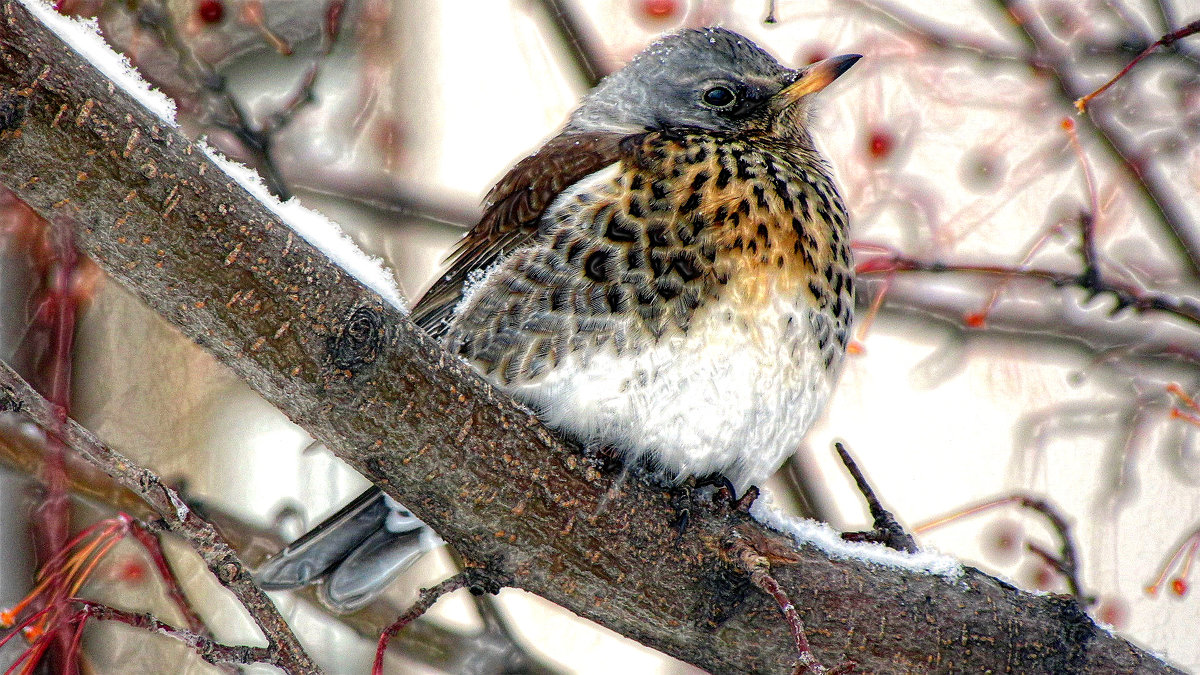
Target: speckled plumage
690,303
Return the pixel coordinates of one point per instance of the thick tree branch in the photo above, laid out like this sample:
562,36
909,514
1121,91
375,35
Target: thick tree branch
171,226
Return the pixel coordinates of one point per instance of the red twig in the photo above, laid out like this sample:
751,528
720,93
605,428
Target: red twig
1191,29
1183,558
426,600
52,520
153,547
284,650
758,566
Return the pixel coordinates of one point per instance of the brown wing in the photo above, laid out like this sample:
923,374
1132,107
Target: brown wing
511,213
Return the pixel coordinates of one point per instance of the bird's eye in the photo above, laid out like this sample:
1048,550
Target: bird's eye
719,97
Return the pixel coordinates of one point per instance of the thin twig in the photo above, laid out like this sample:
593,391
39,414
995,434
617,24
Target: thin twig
1066,562
208,649
1192,28
1046,57
933,35
1127,296
426,600
580,46
179,519
153,546
256,139
888,531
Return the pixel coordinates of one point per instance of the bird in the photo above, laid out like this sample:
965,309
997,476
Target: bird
668,277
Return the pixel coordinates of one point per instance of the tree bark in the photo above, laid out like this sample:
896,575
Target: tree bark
167,223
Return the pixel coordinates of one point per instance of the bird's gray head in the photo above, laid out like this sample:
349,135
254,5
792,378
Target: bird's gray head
708,78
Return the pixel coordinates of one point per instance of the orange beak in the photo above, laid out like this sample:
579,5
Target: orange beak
817,76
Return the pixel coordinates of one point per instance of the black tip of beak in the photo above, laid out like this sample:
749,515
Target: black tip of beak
840,64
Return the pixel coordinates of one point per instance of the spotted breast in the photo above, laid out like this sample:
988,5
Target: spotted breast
689,304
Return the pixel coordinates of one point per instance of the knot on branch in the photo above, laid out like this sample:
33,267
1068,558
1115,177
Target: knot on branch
485,580
357,343
9,401
12,110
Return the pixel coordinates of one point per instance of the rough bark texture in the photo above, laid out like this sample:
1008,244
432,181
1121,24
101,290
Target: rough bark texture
169,225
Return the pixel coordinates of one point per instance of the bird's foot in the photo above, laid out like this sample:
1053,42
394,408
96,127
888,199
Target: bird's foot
605,458
757,564
727,496
690,495
683,499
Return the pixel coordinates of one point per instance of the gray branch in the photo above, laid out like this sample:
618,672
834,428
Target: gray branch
168,224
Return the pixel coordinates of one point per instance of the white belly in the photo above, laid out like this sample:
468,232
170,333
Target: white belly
729,396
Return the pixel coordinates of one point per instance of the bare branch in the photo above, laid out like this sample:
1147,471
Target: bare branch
208,649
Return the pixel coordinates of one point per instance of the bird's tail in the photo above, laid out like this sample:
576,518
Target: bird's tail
356,552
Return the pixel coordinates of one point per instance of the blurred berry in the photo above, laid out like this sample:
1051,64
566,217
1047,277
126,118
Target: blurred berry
1179,586
656,10
880,144
210,11
981,170
1113,611
1003,540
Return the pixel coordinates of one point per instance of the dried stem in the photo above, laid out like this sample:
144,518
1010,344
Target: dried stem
1191,29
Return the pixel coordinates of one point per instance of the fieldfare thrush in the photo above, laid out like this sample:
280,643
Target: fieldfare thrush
668,277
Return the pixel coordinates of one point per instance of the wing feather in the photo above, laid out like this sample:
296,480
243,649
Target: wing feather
511,213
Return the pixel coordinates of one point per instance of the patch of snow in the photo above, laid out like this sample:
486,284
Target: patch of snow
826,539
317,230
181,509
475,281
83,36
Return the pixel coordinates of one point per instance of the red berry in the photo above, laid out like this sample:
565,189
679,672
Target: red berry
210,11
1179,586
880,144
658,9
131,571
814,54
1113,612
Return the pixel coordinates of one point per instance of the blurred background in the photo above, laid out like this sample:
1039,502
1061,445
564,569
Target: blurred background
1028,328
